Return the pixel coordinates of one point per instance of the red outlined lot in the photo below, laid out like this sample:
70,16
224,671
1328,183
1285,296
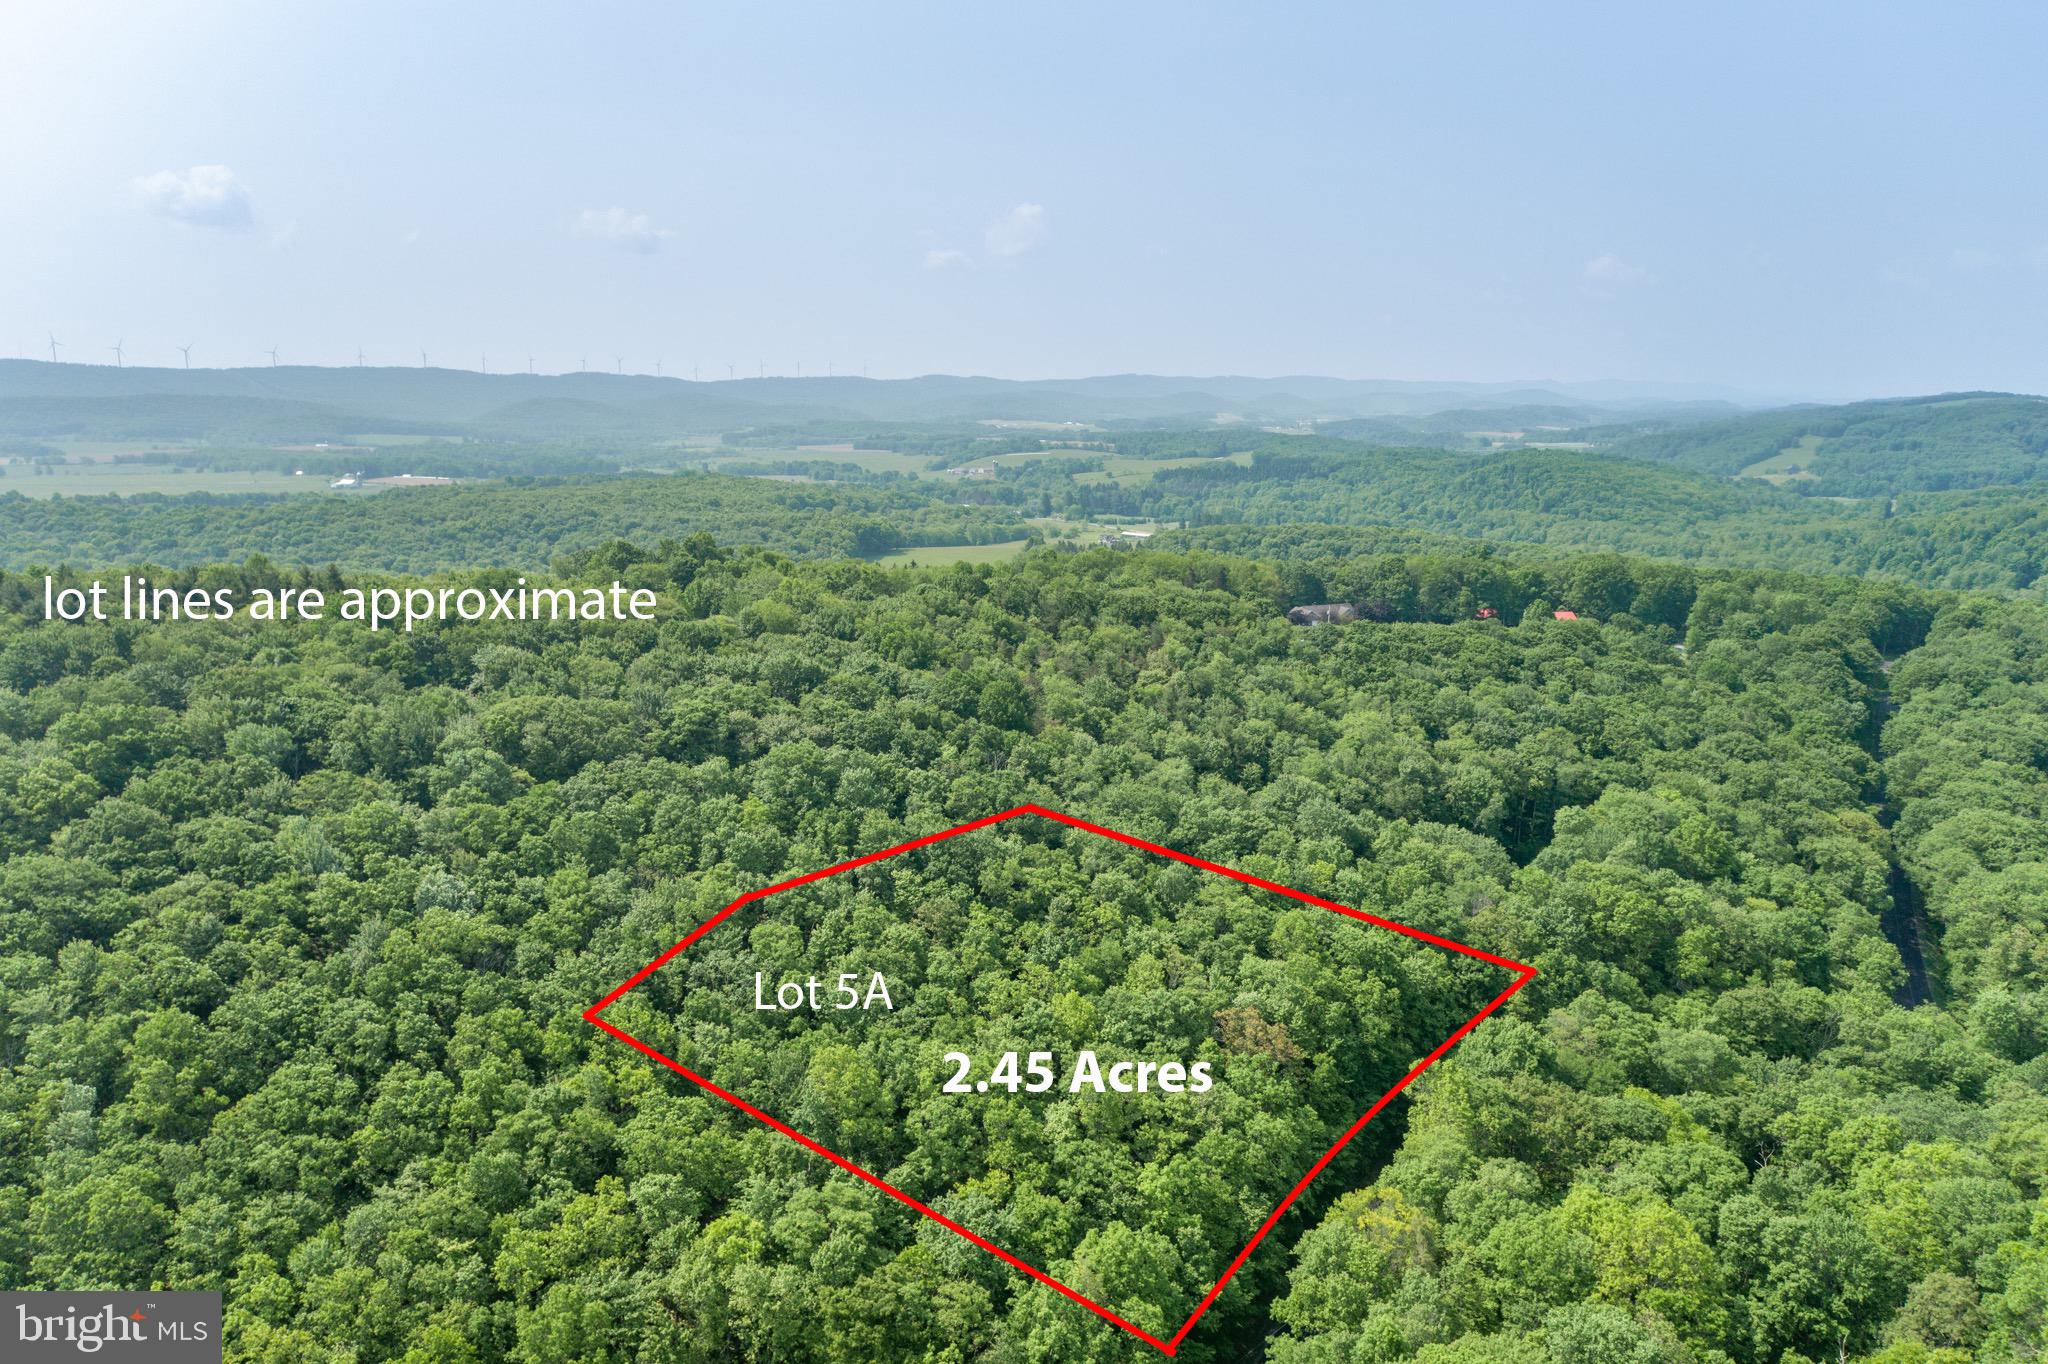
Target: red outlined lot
1522,975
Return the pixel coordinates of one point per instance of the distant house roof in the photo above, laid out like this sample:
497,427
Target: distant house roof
1565,615
1137,535
1323,613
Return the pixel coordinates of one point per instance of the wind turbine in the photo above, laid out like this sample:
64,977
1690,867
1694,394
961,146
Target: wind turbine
693,371
359,357
54,343
423,357
728,371
760,369
618,364
583,365
272,353
483,363
119,354
657,366
186,351
529,364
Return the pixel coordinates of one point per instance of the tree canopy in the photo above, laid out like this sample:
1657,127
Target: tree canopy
297,922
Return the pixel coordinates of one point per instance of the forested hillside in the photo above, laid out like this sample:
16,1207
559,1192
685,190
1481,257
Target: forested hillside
1966,761
1872,449
296,924
171,416
1986,539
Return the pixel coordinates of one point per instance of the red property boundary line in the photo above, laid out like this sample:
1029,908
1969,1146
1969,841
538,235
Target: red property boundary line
1523,974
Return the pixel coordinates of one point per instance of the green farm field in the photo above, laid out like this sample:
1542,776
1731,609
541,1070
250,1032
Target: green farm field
932,556
717,458
126,480
1789,465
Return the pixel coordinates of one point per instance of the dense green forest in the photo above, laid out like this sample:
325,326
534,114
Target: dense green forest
297,921
296,924
1966,763
519,523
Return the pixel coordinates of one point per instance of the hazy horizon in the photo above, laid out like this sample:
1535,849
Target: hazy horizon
1616,392
1791,205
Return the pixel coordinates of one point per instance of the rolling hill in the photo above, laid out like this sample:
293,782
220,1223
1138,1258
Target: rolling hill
92,401
1870,449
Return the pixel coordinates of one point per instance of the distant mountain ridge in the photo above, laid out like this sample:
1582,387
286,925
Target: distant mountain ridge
634,406
1874,448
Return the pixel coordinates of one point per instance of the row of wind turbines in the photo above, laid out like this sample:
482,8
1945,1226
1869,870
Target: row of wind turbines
483,362
121,354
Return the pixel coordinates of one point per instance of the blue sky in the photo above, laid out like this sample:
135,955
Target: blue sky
1810,201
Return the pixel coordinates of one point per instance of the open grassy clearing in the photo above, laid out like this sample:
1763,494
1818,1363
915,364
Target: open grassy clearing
1126,472
716,458
1086,534
1789,464
1034,456
932,555
125,480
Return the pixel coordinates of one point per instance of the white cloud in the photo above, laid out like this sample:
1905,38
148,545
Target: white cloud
1016,232
1899,275
204,196
627,231
946,258
1611,270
